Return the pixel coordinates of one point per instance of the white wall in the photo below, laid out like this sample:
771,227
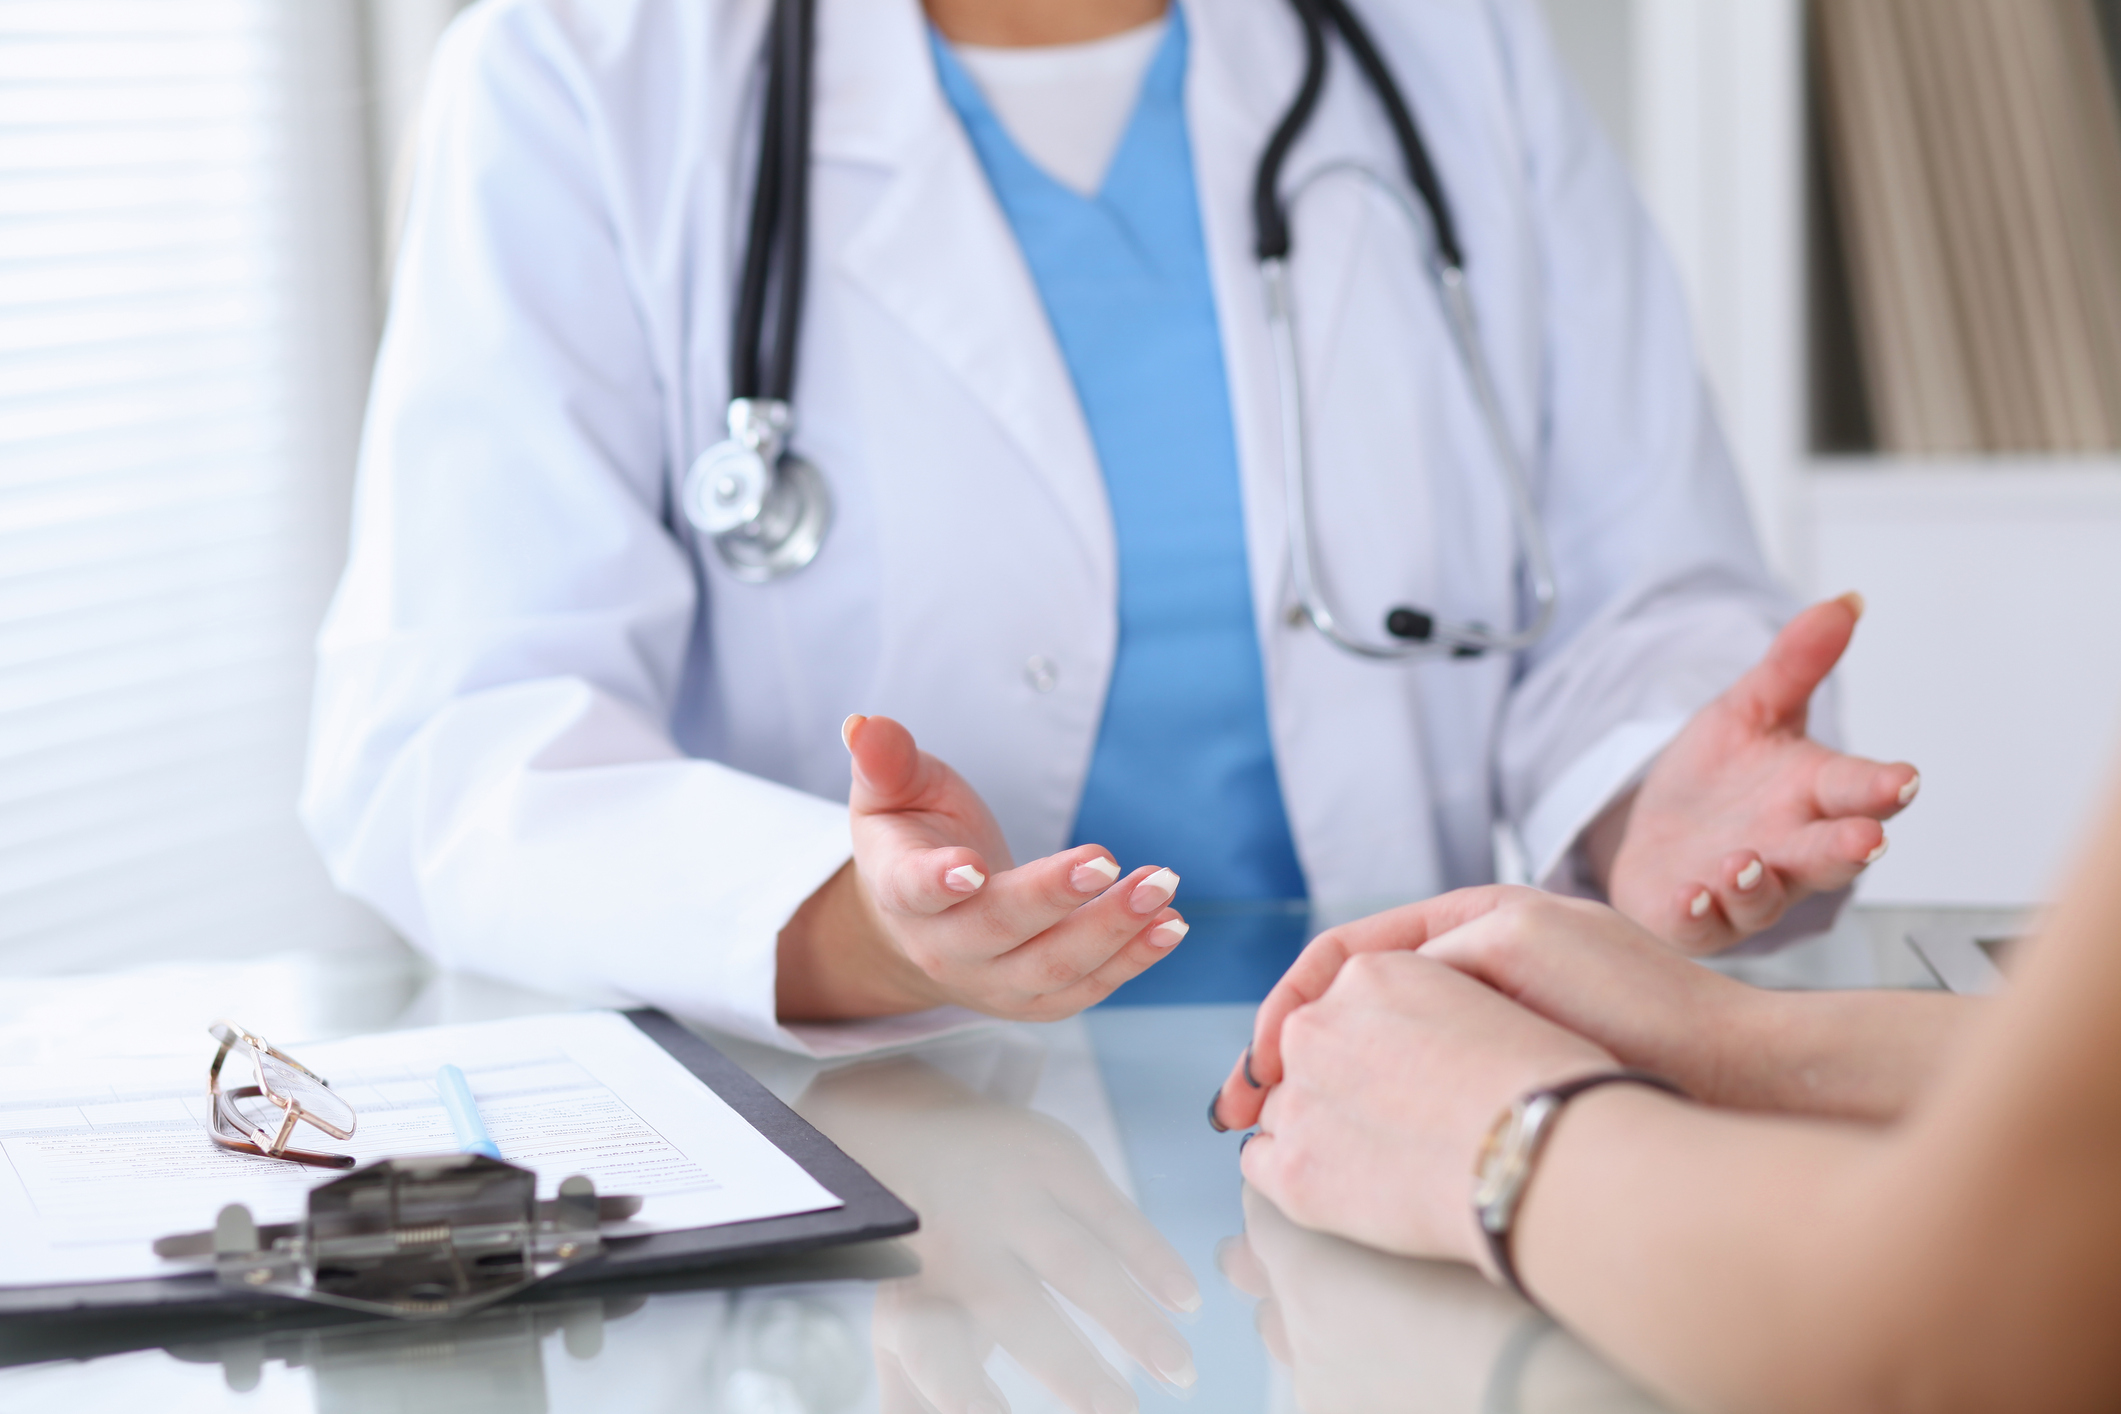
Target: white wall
1989,657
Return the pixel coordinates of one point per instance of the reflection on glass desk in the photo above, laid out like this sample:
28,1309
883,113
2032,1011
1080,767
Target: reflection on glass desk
1086,1242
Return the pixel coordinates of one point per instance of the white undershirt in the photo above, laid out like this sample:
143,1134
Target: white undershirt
1066,105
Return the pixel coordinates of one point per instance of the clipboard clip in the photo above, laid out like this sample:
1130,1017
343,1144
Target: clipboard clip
418,1238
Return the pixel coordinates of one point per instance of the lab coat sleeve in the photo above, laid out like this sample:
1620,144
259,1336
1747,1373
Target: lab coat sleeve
1664,596
491,765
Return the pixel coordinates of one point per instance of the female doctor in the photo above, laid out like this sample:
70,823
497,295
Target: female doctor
564,735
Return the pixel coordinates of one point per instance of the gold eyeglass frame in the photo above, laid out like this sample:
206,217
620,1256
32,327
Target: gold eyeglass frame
226,1124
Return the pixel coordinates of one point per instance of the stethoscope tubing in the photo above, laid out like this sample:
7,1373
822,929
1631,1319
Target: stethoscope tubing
767,512
1275,240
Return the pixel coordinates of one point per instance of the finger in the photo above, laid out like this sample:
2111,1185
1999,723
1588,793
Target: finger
936,1354
1237,1104
1695,922
1057,957
1141,952
1273,1331
1258,1159
1851,785
1776,691
1241,1266
890,771
1828,854
1070,1260
1023,902
1133,1239
1052,1348
924,882
1750,895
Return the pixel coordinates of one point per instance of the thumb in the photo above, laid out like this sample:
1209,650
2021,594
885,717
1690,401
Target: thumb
1780,686
886,764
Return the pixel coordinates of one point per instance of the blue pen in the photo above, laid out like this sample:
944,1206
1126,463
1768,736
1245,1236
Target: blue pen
471,1133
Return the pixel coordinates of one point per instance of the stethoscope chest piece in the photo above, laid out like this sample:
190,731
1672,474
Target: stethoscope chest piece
765,509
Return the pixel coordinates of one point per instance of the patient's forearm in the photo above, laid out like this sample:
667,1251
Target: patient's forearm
1849,1055
1718,1256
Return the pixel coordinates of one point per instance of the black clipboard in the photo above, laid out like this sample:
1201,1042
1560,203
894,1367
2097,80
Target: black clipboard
868,1212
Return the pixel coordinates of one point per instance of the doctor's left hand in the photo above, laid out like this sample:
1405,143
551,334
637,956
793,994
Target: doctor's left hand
1744,815
930,911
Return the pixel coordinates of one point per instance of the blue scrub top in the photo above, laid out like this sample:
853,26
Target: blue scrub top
1183,774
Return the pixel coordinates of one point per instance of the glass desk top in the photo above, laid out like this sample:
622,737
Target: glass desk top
1065,1176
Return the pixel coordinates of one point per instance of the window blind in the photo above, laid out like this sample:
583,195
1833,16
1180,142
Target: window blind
184,330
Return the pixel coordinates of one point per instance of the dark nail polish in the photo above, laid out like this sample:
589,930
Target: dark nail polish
1248,1069
1249,1137
1213,1123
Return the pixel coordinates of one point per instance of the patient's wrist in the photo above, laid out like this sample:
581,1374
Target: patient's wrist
1749,1047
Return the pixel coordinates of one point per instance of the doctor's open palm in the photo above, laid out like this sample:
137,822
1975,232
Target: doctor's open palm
931,911
1744,815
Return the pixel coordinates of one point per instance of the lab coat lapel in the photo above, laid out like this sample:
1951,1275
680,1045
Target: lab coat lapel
937,252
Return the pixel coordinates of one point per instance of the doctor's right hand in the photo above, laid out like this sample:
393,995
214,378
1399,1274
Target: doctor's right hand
931,912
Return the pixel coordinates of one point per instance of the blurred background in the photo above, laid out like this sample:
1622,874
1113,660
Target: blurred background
1899,222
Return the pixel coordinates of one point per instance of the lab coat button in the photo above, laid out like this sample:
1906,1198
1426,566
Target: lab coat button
1042,673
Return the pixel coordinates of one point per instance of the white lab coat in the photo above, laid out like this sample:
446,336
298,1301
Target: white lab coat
555,741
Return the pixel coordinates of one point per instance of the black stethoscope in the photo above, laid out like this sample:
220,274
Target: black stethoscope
766,510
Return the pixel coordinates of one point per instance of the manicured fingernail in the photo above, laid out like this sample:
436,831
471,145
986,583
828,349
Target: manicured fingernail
847,730
1913,788
1166,935
1748,876
1246,1065
1174,1364
964,879
1213,1122
1094,875
1182,1297
1700,906
1872,858
1855,602
1249,1137
1153,892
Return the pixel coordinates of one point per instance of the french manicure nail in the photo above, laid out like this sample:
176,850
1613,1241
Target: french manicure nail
1185,1300
1877,854
1153,892
847,730
1750,875
1215,1123
1166,935
1093,875
1909,791
964,879
1700,906
1175,1367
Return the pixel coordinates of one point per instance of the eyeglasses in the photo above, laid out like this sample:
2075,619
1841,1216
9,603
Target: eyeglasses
259,1119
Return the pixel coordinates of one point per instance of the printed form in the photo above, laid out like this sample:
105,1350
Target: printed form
97,1160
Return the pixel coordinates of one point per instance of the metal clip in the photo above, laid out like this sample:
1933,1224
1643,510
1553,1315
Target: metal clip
418,1238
